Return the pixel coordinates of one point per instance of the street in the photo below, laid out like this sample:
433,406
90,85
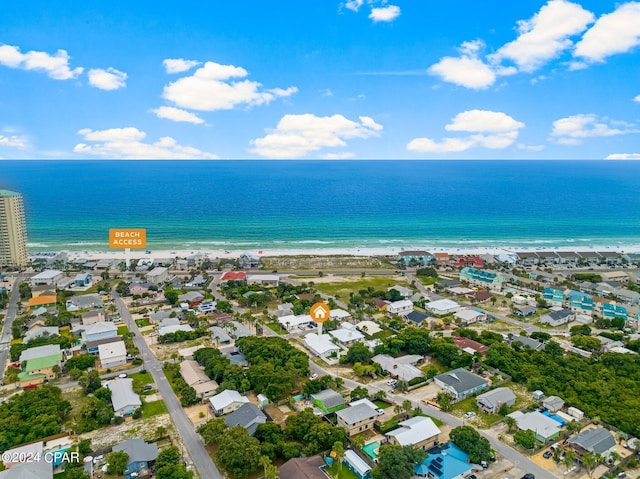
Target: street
7,336
192,442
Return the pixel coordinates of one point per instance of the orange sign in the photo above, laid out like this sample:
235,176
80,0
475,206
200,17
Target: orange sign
127,238
320,312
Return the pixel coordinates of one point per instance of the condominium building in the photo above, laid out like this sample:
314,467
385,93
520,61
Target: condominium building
13,232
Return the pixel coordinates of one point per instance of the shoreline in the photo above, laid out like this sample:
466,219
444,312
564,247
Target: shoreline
352,251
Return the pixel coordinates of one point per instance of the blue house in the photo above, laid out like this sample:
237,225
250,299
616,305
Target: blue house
611,311
359,467
460,383
82,279
580,302
419,258
555,297
446,461
140,454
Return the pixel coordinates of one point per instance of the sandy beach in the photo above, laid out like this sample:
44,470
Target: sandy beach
382,251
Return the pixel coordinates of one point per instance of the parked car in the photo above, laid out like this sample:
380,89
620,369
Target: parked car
469,414
528,475
547,454
122,376
392,382
380,411
313,376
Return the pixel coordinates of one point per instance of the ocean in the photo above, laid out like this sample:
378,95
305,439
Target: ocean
329,204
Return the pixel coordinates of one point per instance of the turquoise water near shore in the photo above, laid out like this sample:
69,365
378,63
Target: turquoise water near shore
329,204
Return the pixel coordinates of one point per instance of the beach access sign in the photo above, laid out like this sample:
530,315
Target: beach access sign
127,238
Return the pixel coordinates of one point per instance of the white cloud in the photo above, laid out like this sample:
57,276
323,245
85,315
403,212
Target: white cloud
623,156
56,66
210,88
109,79
545,35
14,141
522,146
489,129
637,99
176,114
126,143
353,5
573,129
298,135
616,32
326,92
467,70
337,156
178,65
385,14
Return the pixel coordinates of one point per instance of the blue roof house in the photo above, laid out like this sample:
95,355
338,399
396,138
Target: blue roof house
446,461
581,303
140,454
555,297
611,311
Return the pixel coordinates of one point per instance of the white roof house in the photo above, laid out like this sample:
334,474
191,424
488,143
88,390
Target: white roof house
37,332
112,354
227,401
470,315
320,345
39,352
347,336
49,276
397,368
124,400
356,463
543,426
400,307
290,321
339,314
414,431
174,328
368,327
442,306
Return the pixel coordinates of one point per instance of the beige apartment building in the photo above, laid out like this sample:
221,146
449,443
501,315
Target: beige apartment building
13,231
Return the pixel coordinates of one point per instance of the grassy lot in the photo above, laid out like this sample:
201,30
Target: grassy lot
343,288
427,281
275,326
381,404
340,472
122,330
435,420
154,408
389,425
143,378
142,322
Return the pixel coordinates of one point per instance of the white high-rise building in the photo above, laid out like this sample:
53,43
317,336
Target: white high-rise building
13,231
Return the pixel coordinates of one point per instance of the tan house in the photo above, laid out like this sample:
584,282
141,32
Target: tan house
39,370
95,316
358,417
418,431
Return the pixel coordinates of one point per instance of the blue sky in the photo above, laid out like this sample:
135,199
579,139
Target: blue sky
320,79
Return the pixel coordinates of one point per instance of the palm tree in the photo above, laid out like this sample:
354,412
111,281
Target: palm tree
590,462
445,400
612,458
358,441
622,436
569,458
265,462
397,409
338,451
406,407
511,423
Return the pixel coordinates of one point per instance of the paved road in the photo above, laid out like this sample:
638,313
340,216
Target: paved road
509,453
7,335
201,459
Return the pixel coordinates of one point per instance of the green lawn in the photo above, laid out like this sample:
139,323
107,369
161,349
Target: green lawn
381,404
389,425
275,326
122,330
142,322
340,472
342,289
154,408
143,378
427,281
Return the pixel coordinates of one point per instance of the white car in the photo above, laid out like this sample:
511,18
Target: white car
392,382
469,414
380,412
313,376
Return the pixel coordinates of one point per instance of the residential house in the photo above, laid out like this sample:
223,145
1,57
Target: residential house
237,330
50,277
233,276
290,322
92,346
29,470
82,280
442,259
552,403
157,275
358,417
596,440
581,303
528,258
589,257
416,317
207,307
338,314
192,298
140,453
627,296
491,401
226,402
610,257
401,307
548,257
397,367
469,316
43,290
41,367
139,288
479,296
483,279
416,258
358,466
553,297
219,335
470,346
112,354
249,261
544,428
461,383
619,276
123,399
472,261
528,342
40,352
447,283
445,461
197,281
264,279
320,345
558,318
95,316
44,301
568,257
525,311
328,401
612,310
162,330
379,304
442,306
404,292
249,416
95,331
303,468
368,327
419,431
194,375
84,301
40,331
347,337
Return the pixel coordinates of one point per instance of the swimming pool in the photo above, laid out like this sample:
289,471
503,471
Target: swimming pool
555,418
371,448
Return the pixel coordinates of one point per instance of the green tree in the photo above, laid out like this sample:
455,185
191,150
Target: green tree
84,446
117,462
568,459
212,430
167,457
590,462
171,296
511,423
526,439
471,442
359,392
338,452
445,400
239,453
397,462
358,353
